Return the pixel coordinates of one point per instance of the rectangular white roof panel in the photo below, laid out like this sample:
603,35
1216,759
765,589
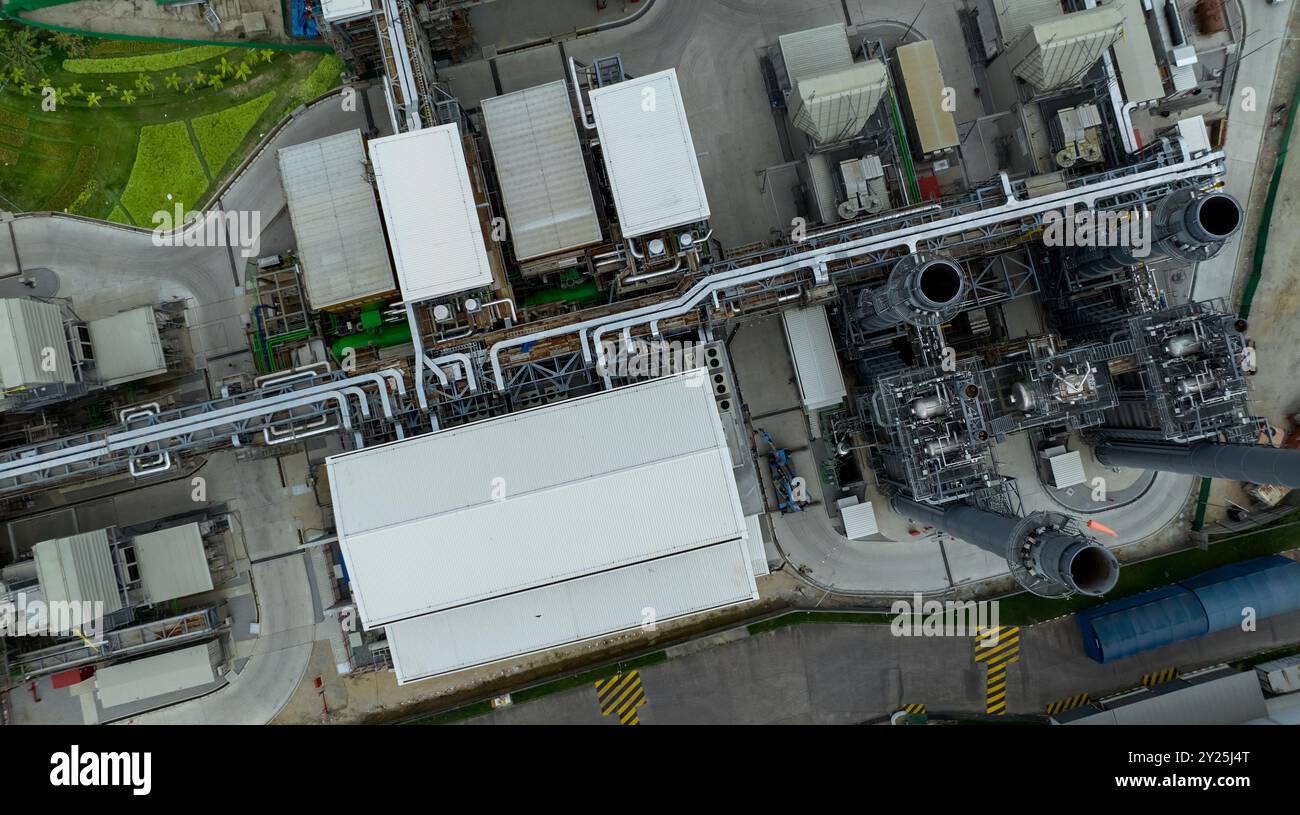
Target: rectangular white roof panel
815,51
336,10
1135,56
816,365
548,199
335,220
534,498
78,569
27,328
563,613
429,208
172,563
127,346
649,154
155,676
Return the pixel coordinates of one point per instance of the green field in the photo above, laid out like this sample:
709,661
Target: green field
139,127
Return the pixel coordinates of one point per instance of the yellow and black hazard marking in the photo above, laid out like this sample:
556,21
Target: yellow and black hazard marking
1159,677
621,695
1069,703
997,648
914,710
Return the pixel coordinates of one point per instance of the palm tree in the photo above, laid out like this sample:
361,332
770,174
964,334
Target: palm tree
267,54
215,83
92,100
26,88
60,96
17,74
128,97
224,67
200,78
74,90
173,81
243,72
111,89
143,83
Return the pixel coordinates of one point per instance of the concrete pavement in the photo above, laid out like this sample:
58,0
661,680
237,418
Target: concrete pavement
826,673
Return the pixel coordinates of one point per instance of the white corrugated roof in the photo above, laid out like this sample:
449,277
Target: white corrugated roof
27,328
127,346
155,676
548,199
428,204
815,51
172,563
78,569
1067,469
754,542
649,154
581,487
335,10
1015,17
816,365
335,220
1058,52
859,519
834,106
562,613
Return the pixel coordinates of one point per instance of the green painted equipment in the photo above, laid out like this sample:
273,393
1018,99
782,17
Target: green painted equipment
584,293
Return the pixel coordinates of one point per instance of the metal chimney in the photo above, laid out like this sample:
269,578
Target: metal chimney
1187,224
923,290
1044,550
1257,464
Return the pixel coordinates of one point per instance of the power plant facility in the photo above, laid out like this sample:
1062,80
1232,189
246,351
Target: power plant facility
539,356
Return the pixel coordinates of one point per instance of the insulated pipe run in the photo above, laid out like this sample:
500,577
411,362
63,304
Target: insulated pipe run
1256,464
577,91
1202,167
1044,557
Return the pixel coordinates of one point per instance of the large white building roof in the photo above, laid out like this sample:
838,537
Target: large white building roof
548,199
582,505
429,207
127,346
936,127
335,221
649,154
337,10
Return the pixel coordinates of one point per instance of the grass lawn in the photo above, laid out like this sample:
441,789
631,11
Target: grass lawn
134,122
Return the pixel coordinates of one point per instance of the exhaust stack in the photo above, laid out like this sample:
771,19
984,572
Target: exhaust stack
1045,552
1187,225
922,290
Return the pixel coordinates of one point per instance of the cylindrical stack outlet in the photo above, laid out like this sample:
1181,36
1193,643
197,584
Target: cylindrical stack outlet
1186,225
921,290
1045,558
1257,464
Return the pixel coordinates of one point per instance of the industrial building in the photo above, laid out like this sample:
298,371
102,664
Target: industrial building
501,357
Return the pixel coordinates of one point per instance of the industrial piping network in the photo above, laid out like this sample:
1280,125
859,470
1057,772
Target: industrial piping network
161,436
1044,552
1191,168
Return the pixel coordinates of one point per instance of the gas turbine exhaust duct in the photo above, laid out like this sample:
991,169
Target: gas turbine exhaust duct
1187,225
1045,552
922,290
1256,464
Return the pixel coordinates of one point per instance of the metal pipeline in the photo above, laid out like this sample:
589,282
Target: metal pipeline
1256,464
577,91
1206,166
1043,553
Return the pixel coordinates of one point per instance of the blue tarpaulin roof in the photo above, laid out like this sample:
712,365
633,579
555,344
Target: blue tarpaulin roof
304,20
1211,601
